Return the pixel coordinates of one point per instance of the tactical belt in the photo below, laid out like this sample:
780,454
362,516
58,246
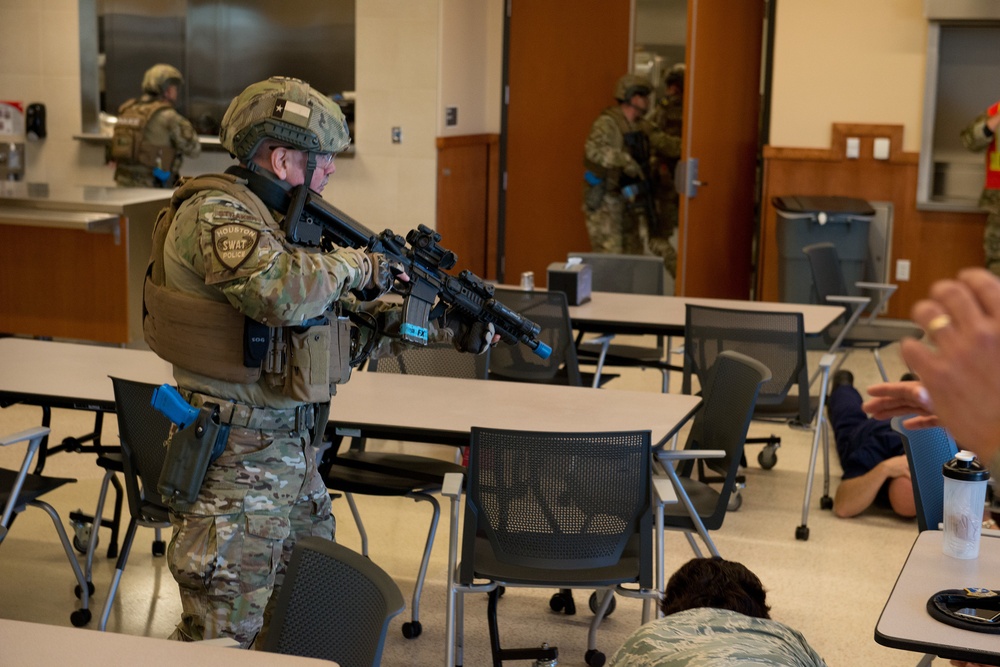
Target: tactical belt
301,418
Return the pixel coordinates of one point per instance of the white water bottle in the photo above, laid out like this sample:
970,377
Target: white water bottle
965,480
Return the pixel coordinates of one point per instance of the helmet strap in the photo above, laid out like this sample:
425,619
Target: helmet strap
300,193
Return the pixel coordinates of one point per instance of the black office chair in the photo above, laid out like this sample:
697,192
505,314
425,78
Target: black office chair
717,436
142,431
851,332
21,488
358,470
334,604
547,509
927,450
777,340
516,363
629,274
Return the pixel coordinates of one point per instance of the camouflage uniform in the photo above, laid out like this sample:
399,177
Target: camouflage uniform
975,138
613,224
231,545
706,637
667,117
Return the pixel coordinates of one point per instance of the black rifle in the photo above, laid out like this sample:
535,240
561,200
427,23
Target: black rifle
320,224
640,192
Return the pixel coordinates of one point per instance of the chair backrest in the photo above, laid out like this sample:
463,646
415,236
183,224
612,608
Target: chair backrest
437,359
828,275
776,339
728,400
927,450
334,604
142,430
565,501
630,274
550,311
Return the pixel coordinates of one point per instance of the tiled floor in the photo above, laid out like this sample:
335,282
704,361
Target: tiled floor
831,587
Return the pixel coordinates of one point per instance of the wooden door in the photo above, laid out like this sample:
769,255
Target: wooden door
563,59
721,118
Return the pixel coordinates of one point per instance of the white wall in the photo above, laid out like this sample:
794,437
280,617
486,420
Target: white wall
847,61
470,62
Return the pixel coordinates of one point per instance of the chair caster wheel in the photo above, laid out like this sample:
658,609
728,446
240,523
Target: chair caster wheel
412,630
159,547
563,602
802,533
81,536
595,603
80,618
79,592
767,458
826,503
735,501
594,658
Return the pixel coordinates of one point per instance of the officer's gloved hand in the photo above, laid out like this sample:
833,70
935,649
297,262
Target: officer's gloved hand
383,274
469,335
632,168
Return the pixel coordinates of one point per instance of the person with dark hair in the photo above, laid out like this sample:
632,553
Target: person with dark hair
715,613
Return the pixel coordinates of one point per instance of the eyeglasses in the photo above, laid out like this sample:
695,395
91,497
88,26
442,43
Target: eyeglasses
323,160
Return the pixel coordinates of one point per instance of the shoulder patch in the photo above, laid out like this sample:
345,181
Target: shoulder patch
232,244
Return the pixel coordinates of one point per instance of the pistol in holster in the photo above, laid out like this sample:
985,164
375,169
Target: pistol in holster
199,440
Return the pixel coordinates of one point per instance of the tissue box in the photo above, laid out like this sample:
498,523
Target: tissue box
573,279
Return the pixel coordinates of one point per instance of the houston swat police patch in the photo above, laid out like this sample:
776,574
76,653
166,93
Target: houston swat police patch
233,243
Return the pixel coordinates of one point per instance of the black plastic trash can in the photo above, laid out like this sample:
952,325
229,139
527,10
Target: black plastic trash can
804,220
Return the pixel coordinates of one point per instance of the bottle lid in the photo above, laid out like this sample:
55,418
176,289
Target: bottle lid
966,467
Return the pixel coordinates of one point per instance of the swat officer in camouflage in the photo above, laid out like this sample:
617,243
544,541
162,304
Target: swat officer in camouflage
981,135
260,327
151,137
619,196
667,116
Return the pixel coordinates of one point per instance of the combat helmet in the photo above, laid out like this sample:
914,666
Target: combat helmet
159,77
288,110
631,85
675,77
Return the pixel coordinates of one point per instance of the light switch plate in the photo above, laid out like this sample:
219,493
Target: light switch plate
880,148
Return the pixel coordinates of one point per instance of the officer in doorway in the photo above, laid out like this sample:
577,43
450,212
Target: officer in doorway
619,194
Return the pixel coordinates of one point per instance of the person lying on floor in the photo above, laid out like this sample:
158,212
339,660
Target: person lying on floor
715,614
871,455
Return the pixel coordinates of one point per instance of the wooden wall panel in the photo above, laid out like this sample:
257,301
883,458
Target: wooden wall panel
64,283
937,243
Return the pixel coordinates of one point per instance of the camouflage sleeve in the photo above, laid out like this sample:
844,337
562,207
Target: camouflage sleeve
973,136
182,135
605,145
259,272
664,144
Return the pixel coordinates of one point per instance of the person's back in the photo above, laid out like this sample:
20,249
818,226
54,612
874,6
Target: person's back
715,613
151,137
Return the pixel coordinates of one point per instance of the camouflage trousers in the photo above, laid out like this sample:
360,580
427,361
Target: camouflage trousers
231,546
614,228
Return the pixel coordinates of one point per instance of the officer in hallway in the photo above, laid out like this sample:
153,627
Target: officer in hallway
151,138
619,197
264,328
981,135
